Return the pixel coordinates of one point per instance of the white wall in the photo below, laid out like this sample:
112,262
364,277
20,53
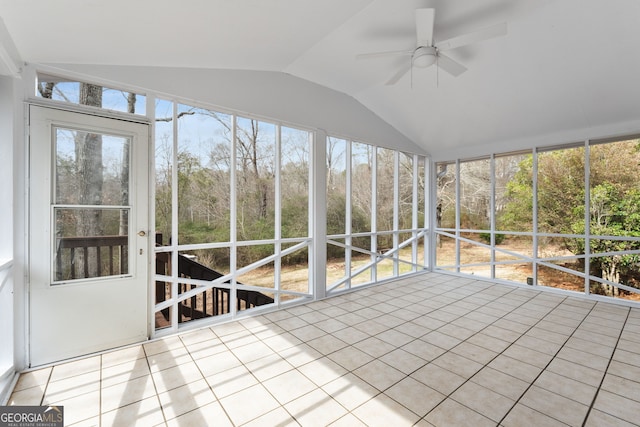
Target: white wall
7,367
7,331
271,95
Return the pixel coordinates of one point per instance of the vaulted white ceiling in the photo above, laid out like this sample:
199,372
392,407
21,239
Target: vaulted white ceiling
565,68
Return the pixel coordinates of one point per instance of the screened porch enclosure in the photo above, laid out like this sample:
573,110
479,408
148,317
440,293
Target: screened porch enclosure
232,198
237,193
235,214
376,221
561,217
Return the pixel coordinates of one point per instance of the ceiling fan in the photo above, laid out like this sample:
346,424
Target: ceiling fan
427,53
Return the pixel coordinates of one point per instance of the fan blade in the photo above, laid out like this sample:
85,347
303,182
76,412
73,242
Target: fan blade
397,76
474,37
450,66
384,54
424,26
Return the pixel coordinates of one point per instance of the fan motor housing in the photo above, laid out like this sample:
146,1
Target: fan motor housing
424,56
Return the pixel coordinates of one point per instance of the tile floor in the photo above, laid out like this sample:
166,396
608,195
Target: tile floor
428,350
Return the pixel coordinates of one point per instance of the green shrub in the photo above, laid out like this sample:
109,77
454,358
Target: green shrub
486,237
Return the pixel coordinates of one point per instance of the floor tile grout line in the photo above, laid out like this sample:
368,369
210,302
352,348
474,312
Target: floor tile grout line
100,412
351,371
228,348
549,363
243,364
607,368
380,392
496,356
406,321
100,396
462,341
46,387
347,326
459,299
153,381
441,292
202,374
358,323
294,368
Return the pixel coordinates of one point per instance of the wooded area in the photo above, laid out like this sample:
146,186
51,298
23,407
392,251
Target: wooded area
263,160
266,176
614,208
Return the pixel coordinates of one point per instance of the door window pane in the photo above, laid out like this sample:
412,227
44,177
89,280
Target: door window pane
91,168
90,243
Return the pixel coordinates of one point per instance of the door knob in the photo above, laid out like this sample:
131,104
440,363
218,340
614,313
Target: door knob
142,233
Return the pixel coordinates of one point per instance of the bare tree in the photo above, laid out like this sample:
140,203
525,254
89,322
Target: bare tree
335,156
254,174
124,172
90,173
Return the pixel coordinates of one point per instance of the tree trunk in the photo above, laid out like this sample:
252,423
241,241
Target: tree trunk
261,186
88,151
46,90
124,173
611,273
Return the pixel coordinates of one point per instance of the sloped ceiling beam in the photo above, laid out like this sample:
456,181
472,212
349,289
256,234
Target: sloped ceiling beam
10,62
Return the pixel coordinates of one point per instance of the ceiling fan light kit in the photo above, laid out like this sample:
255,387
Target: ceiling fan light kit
424,57
428,53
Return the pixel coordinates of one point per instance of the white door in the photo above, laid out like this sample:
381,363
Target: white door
89,237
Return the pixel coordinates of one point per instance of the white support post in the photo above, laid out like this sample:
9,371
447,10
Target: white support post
175,312
432,204
21,91
318,214
151,114
534,191
277,262
396,212
492,214
587,217
373,244
347,240
458,216
414,212
233,217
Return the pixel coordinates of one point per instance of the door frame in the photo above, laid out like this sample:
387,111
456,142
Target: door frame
143,156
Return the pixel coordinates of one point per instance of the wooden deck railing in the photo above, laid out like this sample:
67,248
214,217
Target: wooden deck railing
210,302
84,257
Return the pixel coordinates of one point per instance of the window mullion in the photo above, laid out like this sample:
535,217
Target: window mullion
233,217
